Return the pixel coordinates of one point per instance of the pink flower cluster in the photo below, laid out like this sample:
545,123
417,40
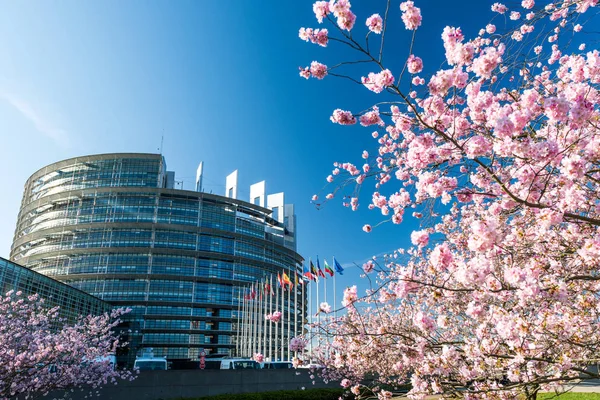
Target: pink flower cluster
342,117
375,23
341,10
527,4
321,9
457,53
498,158
316,36
420,238
325,307
371,118
316,70
40,352
350,296
411,15
499,8
414,64
274,316
376,82
298,344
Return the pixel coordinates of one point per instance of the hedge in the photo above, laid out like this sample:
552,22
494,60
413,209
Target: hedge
310,394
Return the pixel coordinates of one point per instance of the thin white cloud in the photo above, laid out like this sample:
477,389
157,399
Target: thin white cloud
42,125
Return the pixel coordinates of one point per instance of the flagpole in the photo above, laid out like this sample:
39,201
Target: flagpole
237,342
245,322
271,340
334,300
254,324
259,322
263,326
289,320
325,300
255,332
282,314
250,320
318,313
297,282
276,323
242,326
303,307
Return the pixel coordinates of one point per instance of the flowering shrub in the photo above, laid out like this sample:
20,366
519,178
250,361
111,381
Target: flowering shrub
258,357
274,316
298,344
500,150
37,355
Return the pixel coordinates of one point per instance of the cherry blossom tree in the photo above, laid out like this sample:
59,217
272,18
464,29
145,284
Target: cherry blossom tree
39,353
497,155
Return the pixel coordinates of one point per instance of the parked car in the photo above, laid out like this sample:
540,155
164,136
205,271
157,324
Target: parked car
277,365
231,363
150,364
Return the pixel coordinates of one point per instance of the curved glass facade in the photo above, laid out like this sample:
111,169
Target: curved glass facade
108,225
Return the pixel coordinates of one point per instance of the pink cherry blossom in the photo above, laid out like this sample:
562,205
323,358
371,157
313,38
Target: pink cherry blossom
350,296
298,344
316,36
528,4
411,15
341,10
318,70
497,160
41,352
376,82
343,117
321,9
499,8
414,64
419,238
375,23
274,316
371,118
325,307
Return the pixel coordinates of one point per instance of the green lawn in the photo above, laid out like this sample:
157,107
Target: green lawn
570,396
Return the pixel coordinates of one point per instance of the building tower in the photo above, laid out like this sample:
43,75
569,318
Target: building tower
113,226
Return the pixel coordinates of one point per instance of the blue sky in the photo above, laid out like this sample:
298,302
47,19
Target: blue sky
219,80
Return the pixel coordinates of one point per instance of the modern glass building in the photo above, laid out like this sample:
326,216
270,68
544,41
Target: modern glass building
112,225
73,303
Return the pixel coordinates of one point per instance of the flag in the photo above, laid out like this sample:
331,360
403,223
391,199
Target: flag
338,267
279,280
298,281
271,288
328,269
286,280
313,272
253,293
246,295
306,272
319,271
267,288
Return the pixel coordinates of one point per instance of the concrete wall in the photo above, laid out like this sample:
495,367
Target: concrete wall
155,385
